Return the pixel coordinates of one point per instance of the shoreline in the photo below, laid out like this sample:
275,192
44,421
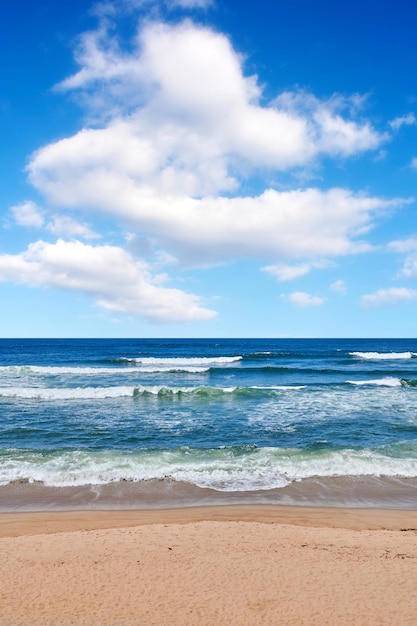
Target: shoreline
351,491
14,524
204,566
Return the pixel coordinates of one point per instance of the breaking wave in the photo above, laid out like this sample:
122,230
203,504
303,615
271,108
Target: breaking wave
383,356
80,393
238,468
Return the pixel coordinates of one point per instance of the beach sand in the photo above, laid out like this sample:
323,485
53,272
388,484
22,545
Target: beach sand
231,565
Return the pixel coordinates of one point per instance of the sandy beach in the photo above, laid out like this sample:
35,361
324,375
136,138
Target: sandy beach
239,565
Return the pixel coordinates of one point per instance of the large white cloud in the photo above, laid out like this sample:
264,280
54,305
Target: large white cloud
90,171
188,81
109,274
176,131
187,128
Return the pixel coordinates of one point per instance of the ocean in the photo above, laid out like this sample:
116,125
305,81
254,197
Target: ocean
141,423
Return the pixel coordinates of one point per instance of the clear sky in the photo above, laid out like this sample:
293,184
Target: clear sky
196,168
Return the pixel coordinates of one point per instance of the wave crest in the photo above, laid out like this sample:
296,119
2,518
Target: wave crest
238,468
383,356
84,393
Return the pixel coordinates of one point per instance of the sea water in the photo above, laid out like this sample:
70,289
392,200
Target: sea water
109,423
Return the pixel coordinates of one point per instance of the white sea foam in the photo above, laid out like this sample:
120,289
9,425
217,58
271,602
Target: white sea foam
279,387
383,356
86,393
24,370
219,469
56,393
388,381
169,362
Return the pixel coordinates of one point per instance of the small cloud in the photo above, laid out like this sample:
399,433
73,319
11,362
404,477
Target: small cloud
403,245
410,267
189,4
64,225
408,247
107,8
302,299
339,286
413,163
381,155
404,120
287,272
27,214
391,295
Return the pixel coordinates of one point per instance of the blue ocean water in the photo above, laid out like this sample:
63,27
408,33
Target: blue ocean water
130,423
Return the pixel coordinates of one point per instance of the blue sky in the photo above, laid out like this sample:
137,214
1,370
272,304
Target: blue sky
193,168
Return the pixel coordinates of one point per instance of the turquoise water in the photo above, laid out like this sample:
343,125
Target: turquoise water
123,423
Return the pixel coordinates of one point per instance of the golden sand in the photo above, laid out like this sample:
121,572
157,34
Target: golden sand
214,566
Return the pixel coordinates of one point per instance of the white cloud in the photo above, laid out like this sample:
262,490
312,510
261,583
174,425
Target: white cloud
285,272
27,214
302,299
339,286
403,245
188,127
109,274
333,134
190,4
404,120
413,163
178,130
112,171
111,7
409,247
65,225
188,81
391,295
409,269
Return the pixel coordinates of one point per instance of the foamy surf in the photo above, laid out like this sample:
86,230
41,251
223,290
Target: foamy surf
25,370
80,393
383,356
122,421
388,381
234,469
168,362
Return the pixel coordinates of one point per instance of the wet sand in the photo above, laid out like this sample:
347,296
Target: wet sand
234,565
